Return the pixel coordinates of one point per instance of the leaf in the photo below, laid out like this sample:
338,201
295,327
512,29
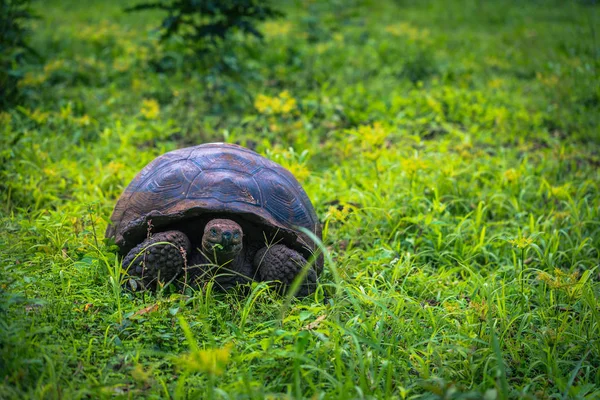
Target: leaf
146,310
315,323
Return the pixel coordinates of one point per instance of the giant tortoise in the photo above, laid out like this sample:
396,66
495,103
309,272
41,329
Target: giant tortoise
216,211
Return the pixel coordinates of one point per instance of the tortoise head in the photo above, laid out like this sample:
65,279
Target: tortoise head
222,240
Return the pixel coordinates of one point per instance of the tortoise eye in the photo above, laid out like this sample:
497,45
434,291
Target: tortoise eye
213,231
236,235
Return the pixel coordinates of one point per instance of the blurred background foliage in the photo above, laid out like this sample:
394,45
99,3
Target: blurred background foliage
14,47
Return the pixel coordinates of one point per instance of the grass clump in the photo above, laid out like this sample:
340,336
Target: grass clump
450,149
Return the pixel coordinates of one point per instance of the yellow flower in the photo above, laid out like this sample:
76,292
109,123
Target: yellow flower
54,65
412,165
521,242
50,172
407,30
511,175
31,79
282,104
288,103
277,28
560,279
150,108
299,171
338,214
101,32
115,167
548,279
84,120
38,116
373,135
5,118
481,308
262,103
451,306
210,361
560,192
292,161
366,141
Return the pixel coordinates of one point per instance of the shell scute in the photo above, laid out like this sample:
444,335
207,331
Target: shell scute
214,158
224,186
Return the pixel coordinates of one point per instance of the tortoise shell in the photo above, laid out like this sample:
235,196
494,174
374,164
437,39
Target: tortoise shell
218,179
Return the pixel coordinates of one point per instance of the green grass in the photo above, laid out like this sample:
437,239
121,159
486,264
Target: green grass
451,150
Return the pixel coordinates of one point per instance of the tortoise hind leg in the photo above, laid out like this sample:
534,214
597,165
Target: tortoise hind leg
159,258
280,263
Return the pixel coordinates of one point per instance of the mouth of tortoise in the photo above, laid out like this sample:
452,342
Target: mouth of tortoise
221,248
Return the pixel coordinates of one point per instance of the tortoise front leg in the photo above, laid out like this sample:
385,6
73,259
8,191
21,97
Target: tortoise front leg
159,258
282,264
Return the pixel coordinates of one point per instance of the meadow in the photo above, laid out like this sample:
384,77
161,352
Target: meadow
451,149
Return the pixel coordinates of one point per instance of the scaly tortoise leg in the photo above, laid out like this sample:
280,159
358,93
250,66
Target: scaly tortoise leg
282,264
152,261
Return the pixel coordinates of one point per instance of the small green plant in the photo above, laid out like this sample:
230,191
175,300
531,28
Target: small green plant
205,24
522,243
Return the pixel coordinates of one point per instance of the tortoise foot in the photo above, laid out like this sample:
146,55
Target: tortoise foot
159,258
282,264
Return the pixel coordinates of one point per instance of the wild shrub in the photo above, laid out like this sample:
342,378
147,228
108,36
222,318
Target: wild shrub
203,25
14,48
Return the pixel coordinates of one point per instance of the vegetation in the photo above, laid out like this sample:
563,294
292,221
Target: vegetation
451,150
13,47
204,23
